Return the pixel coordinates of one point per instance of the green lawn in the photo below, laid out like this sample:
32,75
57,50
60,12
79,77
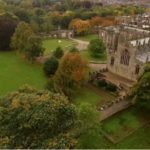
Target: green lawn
140,139
92,95
51,44
120,125
86,55
88,96
15,72
88,37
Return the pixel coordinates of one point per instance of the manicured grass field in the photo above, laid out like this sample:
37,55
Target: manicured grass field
86,55
51,44
88,37
15,72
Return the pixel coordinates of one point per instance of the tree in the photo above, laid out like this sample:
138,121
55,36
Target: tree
50,66
86,112
35,26
7,28
47,27
58,53
35,119
21,35
97,48
70,74
25,40
56,19
88,127
87,4
23,15
66,19
80,26
34,48
103,21
2,6
141,94
96,21
63,141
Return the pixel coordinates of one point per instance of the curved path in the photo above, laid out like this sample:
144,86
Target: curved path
81,45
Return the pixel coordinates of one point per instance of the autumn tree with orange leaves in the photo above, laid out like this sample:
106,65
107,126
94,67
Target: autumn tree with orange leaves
103,21
70,75
80,26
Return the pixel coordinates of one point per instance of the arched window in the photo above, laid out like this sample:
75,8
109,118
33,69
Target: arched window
112,61
125,57
137,69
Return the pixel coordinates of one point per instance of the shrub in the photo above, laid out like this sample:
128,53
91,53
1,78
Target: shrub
101,83
111,87
74,50
58,53
97,48
50,66
107,86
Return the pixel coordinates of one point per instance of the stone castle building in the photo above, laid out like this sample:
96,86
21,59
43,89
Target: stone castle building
128,49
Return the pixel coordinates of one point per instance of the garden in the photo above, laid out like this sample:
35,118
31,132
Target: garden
121,131
51,44
122,125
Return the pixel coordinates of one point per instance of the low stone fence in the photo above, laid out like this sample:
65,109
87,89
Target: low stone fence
114,107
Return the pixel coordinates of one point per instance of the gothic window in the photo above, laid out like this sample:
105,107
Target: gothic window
137,69
112,61
125,57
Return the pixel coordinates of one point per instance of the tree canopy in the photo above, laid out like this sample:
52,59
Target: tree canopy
36,119
7,28
141,91
80,26
50,66
70,74
97,47
26,41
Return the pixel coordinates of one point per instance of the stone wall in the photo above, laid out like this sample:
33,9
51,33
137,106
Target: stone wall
113,107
